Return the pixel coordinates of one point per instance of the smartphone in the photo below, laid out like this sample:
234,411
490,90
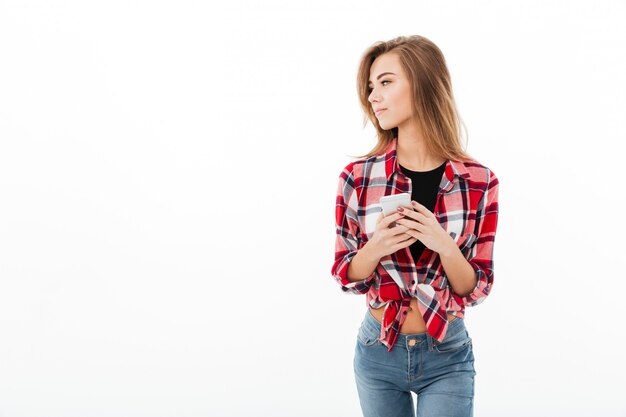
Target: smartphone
390,203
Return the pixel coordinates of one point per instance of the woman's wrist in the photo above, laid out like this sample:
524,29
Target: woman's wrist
371,252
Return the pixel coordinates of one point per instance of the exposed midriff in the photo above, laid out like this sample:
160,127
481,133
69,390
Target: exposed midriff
413,323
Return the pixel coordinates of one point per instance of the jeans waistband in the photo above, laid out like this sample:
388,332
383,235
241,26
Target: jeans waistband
455,326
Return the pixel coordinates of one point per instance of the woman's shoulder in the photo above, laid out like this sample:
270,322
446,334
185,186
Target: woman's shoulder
477,170
358,166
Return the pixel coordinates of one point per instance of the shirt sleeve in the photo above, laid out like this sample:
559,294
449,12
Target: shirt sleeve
347,240
481,255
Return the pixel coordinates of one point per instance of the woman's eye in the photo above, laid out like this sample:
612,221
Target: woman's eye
369,89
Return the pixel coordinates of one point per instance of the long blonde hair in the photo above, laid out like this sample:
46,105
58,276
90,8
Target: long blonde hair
433,101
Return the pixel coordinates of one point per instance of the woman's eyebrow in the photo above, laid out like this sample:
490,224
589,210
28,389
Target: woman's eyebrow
384,73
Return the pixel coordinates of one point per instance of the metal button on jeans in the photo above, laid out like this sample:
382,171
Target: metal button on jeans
412,342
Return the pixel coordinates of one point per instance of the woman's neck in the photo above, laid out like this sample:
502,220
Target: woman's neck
412,154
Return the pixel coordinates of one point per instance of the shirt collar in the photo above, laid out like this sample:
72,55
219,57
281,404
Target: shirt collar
453,168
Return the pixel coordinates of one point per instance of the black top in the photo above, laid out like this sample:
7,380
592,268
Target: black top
424,190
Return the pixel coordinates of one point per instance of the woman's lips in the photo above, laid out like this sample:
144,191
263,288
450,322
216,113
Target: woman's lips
380,111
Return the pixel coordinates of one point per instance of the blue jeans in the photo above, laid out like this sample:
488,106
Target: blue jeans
440,373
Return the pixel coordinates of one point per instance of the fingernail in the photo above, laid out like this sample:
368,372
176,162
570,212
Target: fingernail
400,209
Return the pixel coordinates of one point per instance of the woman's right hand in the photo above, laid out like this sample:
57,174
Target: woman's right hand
387,240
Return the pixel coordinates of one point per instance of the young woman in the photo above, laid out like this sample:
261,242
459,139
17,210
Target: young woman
421,266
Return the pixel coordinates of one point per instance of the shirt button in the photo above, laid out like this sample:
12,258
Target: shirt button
404,312
412,281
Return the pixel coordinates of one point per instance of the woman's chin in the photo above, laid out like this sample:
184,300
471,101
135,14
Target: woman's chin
386,126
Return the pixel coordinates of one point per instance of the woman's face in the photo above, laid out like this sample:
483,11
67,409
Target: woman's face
390,89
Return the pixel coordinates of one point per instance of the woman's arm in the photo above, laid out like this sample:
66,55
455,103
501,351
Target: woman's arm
347,241
461,275
363,264
480,257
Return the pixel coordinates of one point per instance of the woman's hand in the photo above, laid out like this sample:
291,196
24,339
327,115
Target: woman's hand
423,225
387,240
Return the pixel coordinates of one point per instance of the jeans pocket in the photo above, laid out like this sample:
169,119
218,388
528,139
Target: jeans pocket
455,343
366,337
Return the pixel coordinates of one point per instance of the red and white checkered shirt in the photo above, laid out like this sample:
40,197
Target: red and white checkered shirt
466,207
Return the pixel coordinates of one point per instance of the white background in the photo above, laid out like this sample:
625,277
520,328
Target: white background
168,173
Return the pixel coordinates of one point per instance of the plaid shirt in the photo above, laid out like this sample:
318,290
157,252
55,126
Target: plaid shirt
466,207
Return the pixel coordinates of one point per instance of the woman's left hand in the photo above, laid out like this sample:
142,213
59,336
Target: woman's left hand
424,226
